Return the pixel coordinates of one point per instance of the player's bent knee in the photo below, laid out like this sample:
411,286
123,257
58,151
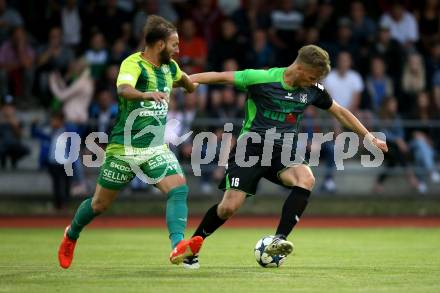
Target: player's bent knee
306,181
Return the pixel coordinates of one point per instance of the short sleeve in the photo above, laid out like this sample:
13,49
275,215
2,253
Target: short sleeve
128,73
323,99
245,78
175,71
240,78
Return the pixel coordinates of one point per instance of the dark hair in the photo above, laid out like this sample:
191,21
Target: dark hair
157,28
384,113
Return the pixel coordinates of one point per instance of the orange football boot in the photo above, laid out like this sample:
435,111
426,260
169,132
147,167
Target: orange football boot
186,248
65,252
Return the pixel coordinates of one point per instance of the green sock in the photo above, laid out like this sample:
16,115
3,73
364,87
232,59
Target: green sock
177,213
83,216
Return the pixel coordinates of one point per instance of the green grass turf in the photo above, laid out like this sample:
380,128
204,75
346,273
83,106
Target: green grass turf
136,260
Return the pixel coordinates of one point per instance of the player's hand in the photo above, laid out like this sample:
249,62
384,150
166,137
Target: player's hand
380,144
158,97
192,88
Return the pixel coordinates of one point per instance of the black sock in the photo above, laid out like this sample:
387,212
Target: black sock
293,208
210,223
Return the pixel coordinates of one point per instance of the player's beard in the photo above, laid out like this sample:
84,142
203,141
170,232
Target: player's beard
165,57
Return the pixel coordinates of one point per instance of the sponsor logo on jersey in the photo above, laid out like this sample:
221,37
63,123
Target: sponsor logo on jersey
153,109
152,105
291,118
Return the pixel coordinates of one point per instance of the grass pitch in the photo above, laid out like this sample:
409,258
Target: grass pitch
136,260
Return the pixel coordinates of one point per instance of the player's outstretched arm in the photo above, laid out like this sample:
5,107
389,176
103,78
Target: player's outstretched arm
186,83
346,118
130,93
226,77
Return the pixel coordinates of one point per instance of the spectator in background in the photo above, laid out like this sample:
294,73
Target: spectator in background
97,56
433,71
227,7
413,80
391,51
11,146
433,65
398,149
402,24
119,51
193,49
9,18
250,17
327,149
344,84
363,27
163,8
48,137
286,32
145,8
212,171
310,13
103,112
261,54
228,46
312,36
324,19
53,56
428,20
378,84
343,42
189,113
228,110
75,91
230,64
422,144
108,81
71,23
110,20
208,19
17,66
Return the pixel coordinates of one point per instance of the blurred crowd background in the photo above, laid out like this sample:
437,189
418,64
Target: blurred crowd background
59,61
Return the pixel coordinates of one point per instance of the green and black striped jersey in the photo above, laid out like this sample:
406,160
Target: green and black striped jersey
271,103
145,77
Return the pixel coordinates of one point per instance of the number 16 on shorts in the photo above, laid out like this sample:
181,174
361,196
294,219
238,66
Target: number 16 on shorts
235,181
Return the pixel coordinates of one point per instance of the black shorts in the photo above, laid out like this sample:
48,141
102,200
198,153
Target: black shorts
245,178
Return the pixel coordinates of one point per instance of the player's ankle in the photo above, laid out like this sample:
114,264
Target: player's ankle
281,236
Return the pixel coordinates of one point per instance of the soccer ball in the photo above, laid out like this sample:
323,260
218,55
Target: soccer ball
263,259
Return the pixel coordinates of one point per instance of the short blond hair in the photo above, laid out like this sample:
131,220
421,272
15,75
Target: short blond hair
314,57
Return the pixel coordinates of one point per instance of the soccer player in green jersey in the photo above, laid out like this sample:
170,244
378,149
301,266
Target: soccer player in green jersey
144,84
276,99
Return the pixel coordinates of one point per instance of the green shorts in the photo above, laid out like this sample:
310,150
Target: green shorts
121,165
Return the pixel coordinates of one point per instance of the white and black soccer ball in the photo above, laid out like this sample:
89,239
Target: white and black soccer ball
263,259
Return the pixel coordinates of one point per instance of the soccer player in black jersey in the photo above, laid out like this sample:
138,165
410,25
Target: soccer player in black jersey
276,100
